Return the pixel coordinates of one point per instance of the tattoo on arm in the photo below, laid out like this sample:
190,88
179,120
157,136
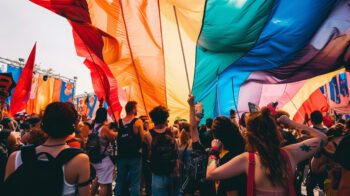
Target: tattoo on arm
305,148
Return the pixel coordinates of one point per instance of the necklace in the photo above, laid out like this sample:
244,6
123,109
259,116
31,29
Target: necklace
54,145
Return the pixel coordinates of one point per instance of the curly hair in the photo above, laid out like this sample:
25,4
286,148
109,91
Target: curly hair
264,138
159,115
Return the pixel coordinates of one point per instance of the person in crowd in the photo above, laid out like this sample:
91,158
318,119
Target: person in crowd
206,136
286,132
233,144
36,137
6,122
146,170
185,150
33,124
342,157
316,120
58,121
347,126
273,165
8,144
196,177
129,143
164,154
233,117
312,178
323,163
105,168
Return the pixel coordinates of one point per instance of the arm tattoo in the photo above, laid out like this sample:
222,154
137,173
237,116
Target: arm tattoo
305,148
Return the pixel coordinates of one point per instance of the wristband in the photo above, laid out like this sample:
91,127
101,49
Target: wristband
213,157
214,152
215,148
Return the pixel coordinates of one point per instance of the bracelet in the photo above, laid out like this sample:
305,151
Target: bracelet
213,157
215,148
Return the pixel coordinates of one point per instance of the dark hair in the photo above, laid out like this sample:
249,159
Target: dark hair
101,115
33,120
336,130
263,137
37,137
232,112
347,123
130,106
59,119
242,120
341,121
316,117
159,115
186,126
228,134
209,122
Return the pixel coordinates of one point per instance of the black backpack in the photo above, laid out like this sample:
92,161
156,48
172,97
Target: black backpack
93,147
128,144
164,153
39,177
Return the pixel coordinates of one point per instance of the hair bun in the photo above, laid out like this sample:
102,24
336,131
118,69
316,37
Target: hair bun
265,112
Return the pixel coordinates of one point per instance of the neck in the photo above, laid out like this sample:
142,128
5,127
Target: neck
129,116
55,141
319,126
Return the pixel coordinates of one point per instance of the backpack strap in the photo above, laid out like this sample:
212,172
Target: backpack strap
121,124
251,174
97,128
67,154
28,154
290,174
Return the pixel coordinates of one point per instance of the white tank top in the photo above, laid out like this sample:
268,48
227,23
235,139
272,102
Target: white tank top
68,189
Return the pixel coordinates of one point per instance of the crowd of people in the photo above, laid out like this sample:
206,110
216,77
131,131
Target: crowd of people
256,153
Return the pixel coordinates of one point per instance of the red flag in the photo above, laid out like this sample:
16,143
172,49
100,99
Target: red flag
21,93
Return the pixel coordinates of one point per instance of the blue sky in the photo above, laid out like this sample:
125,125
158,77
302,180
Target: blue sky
22,23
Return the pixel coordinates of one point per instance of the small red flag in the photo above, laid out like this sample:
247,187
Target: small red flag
21,93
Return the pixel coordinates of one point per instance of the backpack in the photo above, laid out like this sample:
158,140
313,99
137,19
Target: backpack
93,147
37,177
128,144
164,153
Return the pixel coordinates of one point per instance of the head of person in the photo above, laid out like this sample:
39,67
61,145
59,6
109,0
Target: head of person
185,126
232,114
34,122
264,138
341,121
101,115
209,123
59,119
316,118
335,131
184,138
159,115
130,108
37,137
227,132
243,119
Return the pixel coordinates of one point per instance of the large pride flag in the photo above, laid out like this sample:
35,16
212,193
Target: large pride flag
226,53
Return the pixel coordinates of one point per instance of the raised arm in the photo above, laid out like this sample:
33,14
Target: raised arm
194,123
307,148
234,167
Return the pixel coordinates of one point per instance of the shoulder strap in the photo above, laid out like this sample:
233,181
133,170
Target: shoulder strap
121,125
67,154
290,174
97,128
28,154
251,174
133,121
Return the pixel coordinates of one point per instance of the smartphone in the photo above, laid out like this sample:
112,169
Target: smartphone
253,107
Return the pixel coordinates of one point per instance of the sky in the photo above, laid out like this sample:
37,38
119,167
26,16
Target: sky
23,23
